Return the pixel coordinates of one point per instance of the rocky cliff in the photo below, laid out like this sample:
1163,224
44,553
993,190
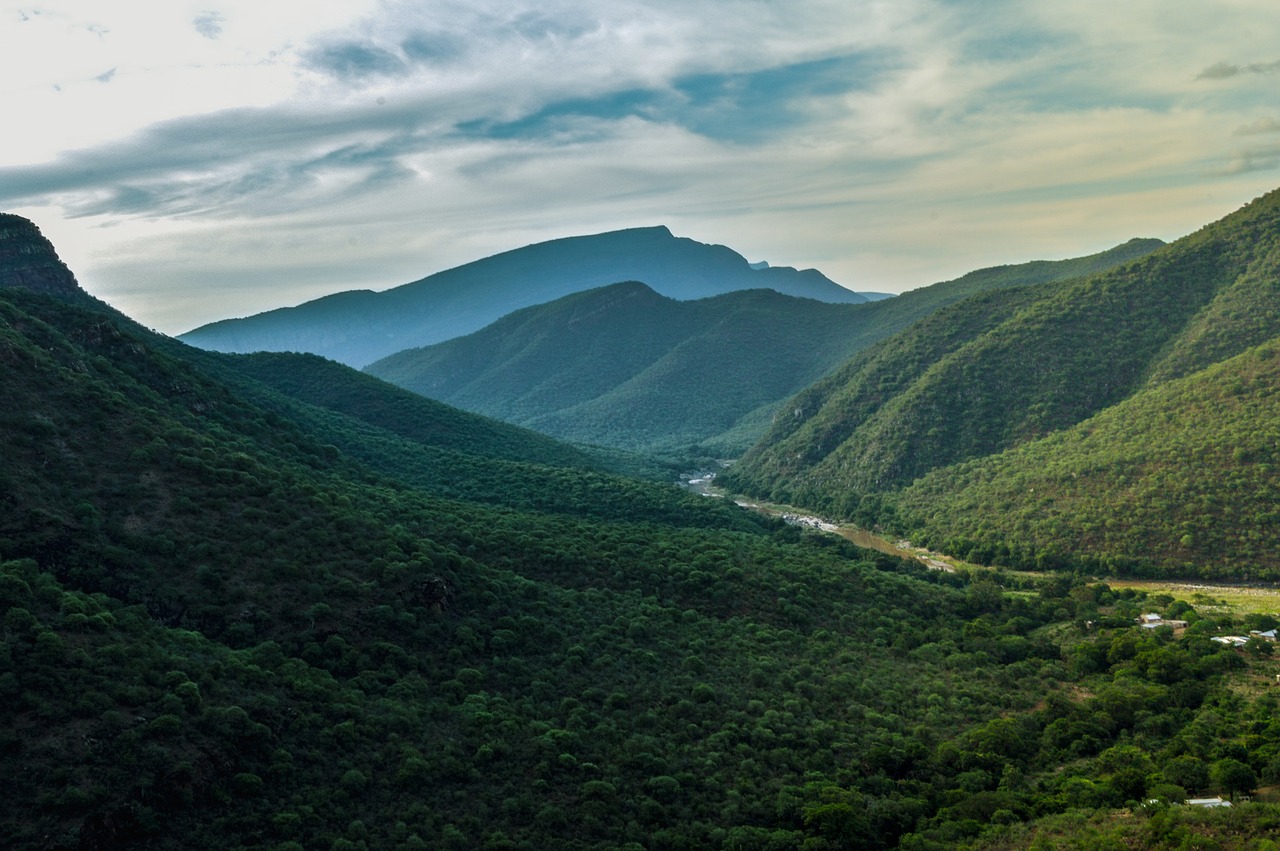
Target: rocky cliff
29,260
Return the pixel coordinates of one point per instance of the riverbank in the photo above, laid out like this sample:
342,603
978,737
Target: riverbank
1237,599
703,482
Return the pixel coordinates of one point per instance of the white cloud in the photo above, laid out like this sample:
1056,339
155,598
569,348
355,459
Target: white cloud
249,154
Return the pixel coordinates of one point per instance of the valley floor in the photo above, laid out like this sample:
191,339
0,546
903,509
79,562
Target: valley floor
1238,598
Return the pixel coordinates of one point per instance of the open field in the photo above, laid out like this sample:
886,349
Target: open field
1238,599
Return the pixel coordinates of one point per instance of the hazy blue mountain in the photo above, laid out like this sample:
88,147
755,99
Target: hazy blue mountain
358,327
625,366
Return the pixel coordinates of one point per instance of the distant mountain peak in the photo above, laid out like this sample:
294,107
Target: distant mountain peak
359,328
28,259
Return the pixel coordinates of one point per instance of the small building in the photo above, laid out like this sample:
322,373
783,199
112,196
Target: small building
1154,621
1218,801
1231,640
1269,635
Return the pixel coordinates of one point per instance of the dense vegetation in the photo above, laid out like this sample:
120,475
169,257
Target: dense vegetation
624,366
329,385
247,605
359,326
1203,499
978,400
215,623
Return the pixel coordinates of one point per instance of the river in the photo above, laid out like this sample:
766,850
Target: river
703,482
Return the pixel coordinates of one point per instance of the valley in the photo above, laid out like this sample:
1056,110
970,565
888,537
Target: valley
1051,426
1233,599
268,600
702,482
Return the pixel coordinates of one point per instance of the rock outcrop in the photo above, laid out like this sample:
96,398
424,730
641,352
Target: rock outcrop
29,260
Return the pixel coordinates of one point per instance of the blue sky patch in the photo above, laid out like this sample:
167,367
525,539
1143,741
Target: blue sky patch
741,107
431,48
355,60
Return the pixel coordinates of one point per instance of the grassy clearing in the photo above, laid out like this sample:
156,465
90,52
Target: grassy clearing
1227,599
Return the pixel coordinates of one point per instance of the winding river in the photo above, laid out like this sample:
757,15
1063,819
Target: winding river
703,482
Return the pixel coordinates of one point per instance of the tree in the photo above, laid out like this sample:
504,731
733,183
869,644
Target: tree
1186,771
1233,776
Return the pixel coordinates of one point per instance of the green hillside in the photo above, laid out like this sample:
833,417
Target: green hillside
1182,477
900,311
548,357
268,603
222,631
1015,368
334,387
623,366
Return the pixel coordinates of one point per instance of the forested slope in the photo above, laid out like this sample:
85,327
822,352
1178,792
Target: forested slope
217,623
626,367
1014,367
224,629
332,386
1182,477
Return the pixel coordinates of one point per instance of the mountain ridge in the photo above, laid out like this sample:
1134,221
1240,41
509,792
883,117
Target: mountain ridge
624,366
1007,369
267,601
359,326
30,261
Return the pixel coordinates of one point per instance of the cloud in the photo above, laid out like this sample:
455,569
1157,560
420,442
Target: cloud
1262,125
738,107
1226,70
354,61
887,143
744,107
254,161
537,26
209,24
1262,158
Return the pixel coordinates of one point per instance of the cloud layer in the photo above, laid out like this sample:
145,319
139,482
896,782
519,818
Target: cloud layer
199,161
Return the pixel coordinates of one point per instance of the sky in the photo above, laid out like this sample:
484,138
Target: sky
193,161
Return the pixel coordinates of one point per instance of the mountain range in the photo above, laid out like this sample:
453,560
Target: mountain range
267,598
1124,420
624,366
360,326
269,601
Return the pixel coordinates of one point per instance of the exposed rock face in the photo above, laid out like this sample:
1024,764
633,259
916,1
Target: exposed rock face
29,260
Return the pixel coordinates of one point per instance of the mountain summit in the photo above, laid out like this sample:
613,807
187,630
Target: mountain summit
360,326
28,260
